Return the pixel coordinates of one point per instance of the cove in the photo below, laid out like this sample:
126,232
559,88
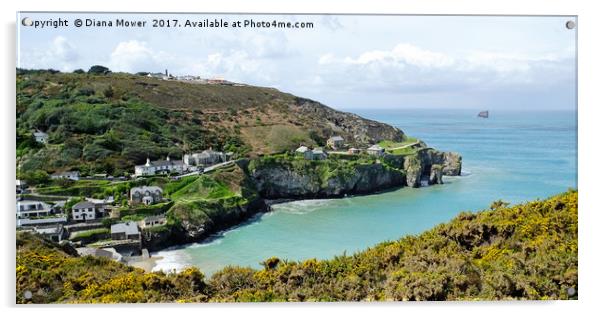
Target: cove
513,156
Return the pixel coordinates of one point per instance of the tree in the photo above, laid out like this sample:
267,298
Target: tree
79,71
99,70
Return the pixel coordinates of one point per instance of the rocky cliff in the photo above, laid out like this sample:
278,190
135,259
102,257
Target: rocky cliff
427,164
290,178
315,179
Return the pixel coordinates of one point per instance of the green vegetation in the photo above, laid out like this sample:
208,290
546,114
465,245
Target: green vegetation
88,235
527,251
96,125
104,122
211,200
401,148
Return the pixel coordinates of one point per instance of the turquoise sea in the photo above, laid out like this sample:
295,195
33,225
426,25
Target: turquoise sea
513,156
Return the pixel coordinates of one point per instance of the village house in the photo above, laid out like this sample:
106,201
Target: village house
146,195
71,175
30,209
376,150
166,166
125,231
318,154
31,213
152,221
40,137
205,158
85,211
304,152
54,232
335,142
309,154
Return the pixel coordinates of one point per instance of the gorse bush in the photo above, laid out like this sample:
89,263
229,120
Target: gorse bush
527,251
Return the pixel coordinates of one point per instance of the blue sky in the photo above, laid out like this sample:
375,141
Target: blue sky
495,63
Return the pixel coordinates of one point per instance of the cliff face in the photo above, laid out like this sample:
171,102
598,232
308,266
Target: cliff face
316,179
354,128
427,164
322,179
198,220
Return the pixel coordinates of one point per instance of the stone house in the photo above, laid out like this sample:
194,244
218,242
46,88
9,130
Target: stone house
125,231
146,195
335,142
205,158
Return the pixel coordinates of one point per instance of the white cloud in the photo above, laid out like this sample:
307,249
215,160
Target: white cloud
134,56
60,54
63,50
410,68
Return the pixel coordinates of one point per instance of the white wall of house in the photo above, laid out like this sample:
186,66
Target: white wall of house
83,214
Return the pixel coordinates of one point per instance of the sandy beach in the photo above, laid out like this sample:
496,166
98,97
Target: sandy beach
146,264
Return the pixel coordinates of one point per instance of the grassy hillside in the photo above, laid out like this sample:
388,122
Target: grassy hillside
527,251
108,123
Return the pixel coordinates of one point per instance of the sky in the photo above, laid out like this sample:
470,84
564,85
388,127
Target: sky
344,61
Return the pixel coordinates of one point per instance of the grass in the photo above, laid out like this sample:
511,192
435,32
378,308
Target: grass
386,144
87,234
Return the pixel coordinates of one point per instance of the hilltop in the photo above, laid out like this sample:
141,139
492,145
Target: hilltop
526,251
107,123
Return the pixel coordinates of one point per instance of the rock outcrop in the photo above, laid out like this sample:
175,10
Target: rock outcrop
286,179
311,179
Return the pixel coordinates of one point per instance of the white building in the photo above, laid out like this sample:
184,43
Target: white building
71,175
84,211
40,137
166,166
309,154
376,150
36,213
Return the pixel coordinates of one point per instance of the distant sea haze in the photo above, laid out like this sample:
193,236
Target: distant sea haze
512,155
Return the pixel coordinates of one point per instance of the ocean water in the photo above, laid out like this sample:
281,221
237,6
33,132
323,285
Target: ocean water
513,156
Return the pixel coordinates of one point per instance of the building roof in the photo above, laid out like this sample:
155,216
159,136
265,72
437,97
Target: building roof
375,147
302,149
31,202
83,204
40,134
336,138
318,151
142,189
129,228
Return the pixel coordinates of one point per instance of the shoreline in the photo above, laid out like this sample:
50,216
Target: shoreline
146,264
269,204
